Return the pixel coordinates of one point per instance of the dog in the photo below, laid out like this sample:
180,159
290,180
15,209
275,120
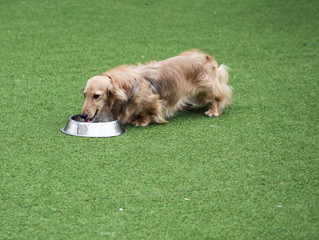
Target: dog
151,93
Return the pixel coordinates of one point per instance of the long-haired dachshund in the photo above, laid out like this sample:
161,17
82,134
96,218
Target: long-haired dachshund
151,93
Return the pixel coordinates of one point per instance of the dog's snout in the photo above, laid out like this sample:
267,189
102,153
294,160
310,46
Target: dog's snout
84,116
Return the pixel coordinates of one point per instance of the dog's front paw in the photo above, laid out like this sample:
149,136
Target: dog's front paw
141,122
211,113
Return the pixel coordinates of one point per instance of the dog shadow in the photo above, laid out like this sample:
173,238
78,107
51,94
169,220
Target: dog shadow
193,114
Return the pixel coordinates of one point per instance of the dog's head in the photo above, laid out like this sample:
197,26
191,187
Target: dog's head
100,94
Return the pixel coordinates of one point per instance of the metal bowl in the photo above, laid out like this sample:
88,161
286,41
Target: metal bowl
77,127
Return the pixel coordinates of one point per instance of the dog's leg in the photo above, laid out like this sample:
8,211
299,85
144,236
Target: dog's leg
142,121
187,107
214,109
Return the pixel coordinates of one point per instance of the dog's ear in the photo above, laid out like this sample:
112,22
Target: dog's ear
116,97
115,104
116,91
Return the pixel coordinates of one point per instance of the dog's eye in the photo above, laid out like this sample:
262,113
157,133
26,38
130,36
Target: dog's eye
96,96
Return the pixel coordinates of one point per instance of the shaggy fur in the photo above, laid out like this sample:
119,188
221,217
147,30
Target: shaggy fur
153,92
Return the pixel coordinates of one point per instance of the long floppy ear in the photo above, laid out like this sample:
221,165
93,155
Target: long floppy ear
118,92
116,97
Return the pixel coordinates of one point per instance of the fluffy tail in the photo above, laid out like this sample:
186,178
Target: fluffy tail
226,91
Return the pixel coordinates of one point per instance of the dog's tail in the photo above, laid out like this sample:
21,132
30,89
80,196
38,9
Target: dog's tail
226,91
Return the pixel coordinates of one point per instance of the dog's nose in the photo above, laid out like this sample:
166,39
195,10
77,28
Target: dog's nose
84,116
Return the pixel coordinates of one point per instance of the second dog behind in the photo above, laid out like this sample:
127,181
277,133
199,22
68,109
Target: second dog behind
153,92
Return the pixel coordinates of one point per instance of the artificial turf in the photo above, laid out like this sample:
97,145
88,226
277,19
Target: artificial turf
251,173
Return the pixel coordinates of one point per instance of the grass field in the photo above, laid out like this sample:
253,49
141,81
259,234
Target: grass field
251,173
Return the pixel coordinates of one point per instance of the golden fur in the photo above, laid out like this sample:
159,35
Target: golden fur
153,92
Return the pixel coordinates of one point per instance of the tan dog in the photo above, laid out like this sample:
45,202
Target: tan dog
151,93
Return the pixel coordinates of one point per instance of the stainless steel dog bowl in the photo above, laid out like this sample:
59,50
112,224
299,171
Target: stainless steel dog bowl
77,127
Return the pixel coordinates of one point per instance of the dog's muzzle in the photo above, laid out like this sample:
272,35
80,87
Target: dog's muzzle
85,116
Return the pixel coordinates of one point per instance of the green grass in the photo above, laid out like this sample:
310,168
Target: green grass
251,173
